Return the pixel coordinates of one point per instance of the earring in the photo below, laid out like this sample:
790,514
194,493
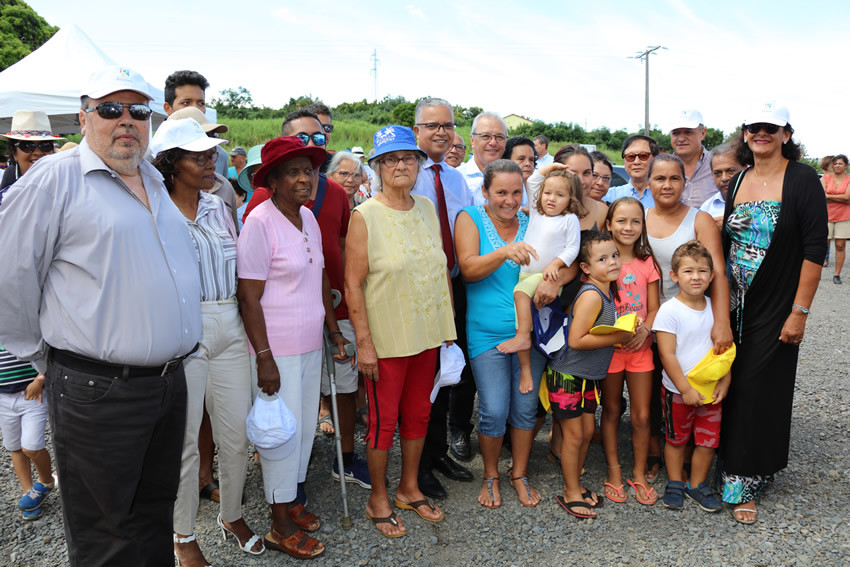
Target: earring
784,142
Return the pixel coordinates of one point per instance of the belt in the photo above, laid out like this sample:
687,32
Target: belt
87,365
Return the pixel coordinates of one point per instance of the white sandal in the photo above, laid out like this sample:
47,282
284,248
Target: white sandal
187,539
739,520
249,545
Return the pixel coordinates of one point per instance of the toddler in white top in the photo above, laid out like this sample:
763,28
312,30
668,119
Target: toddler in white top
554,232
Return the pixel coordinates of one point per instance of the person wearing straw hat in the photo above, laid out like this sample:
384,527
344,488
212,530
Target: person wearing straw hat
399,322
284,298
219,370
94,246
30,139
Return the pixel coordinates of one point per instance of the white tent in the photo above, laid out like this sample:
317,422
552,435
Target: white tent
51,78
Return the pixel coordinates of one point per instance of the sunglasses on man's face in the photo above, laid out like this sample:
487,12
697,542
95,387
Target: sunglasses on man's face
318,138
46,147
771,129
114,110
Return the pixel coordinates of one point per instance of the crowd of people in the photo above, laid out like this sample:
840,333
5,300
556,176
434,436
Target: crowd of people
160,307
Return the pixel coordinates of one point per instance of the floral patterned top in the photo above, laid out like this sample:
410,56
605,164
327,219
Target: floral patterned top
407,292
750,228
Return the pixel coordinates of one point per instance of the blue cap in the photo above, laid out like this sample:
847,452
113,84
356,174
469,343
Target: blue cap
551,327
393,138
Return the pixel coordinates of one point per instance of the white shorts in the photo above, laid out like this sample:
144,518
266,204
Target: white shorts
839,230
22,422
345,375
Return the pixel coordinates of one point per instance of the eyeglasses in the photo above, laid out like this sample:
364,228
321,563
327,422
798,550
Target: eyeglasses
435,126
487,137
604,178
759,126
328,128
114,110
46,147
203,159
642,156
346,174
392,161
459,147
318,138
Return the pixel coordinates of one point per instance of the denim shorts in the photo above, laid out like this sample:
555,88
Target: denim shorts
499,400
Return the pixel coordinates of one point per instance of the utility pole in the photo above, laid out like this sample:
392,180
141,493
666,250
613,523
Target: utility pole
374,72
644,56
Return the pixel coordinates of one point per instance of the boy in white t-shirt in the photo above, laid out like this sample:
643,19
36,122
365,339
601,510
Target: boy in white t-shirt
683,334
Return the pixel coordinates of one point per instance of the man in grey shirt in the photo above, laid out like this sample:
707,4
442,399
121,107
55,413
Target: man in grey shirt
102,293
686,135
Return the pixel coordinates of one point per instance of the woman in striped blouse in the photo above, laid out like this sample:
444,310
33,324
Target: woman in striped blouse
219,371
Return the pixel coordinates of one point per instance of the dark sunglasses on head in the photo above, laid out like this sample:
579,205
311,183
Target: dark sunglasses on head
114,110
318,138
759,126
46,146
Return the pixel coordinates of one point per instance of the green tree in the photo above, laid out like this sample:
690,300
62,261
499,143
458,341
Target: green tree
22,31
713,138
405,114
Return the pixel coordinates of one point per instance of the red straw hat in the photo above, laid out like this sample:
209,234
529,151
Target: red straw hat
283,149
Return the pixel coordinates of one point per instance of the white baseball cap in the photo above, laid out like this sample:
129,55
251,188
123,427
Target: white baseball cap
271,427
451,365
687,119
185,134
113,79
771,113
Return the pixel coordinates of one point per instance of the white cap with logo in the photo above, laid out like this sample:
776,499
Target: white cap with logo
113,79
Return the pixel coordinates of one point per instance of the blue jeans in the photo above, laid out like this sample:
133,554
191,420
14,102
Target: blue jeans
499,400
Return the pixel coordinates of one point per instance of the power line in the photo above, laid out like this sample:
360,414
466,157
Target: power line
644,56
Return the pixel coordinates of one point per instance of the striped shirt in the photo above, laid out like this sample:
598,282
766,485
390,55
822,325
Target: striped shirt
215,243
15,374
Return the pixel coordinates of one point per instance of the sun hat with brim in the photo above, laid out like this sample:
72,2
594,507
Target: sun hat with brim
271,427
627,323
200,118
113,79
770,113
31,126
283,149
709,371
394,138
185,134
251,164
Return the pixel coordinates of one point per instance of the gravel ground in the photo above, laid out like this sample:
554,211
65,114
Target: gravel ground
803,518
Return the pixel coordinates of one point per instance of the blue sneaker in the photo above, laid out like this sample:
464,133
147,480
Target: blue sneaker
357,473
34,496
674,495
704,497
30,515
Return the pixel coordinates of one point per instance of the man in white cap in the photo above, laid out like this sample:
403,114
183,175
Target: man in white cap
687,132
101,293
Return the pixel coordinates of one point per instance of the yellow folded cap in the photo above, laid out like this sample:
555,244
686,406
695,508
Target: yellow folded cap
709,371
624,323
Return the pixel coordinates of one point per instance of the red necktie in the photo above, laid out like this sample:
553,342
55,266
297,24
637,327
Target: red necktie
445,229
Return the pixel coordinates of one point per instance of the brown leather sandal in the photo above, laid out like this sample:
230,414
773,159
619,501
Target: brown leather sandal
299,545
305,520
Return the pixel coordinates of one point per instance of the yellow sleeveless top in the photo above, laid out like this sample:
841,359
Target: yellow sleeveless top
407,293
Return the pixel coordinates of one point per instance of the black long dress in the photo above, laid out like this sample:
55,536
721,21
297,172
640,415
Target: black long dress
756,428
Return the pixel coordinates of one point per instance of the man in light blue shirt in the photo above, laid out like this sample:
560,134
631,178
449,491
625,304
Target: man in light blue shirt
637,152
488,138
541,146
435,135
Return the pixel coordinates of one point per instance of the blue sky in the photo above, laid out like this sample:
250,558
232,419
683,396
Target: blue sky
554,61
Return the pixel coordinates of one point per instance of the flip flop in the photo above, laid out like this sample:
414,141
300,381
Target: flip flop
651,495
569,507
745,522
392,519
326,420
621,493
415,507
490,480
589,494
524,480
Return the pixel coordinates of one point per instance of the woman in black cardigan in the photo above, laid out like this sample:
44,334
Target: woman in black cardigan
773,239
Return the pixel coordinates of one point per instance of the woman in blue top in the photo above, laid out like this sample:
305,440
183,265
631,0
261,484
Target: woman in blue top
488,240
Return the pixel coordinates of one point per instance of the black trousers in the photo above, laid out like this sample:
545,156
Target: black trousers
456,402
118,444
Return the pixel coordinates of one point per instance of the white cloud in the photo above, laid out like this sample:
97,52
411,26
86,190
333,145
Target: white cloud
416,12
284,14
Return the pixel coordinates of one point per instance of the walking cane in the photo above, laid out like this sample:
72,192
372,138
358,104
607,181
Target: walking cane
330,349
